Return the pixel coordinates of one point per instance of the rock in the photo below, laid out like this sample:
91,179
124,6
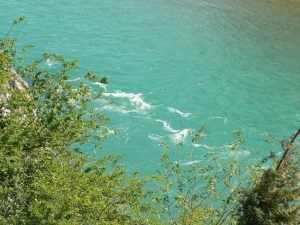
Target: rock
16,82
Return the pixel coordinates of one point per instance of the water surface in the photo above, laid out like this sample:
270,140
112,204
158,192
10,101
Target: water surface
177,65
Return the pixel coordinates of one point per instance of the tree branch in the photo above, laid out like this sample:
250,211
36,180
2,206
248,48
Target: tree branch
287,149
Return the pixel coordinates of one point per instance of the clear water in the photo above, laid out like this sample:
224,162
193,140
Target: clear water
176,65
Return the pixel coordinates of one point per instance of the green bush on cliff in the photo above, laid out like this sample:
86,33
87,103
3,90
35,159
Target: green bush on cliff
43,180
274,199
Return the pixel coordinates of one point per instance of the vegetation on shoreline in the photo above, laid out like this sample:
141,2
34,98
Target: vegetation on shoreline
46,180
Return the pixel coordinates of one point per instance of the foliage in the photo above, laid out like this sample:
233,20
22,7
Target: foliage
43,181
274,199
205,191
70,196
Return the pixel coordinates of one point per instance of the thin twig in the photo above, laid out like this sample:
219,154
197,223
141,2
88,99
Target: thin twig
287,149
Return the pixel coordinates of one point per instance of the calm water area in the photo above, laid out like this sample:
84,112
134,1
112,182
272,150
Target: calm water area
175,66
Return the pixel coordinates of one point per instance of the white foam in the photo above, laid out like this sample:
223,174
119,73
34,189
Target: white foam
190,162
120,109
181,135
245,152
110,131
225,120
155,137
182,114
167,126
240,153
49,62
72,80
135,99
104,86
203,146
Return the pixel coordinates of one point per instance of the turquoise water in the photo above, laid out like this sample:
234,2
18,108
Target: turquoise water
176,65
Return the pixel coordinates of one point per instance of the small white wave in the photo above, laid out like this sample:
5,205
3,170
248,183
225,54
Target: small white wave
73,80
135,99
182,114
203,146
245,152
49,62
265,134
120,109
225,120
110,131
167,126
155,137
104,86
190,162
181,135
240,153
